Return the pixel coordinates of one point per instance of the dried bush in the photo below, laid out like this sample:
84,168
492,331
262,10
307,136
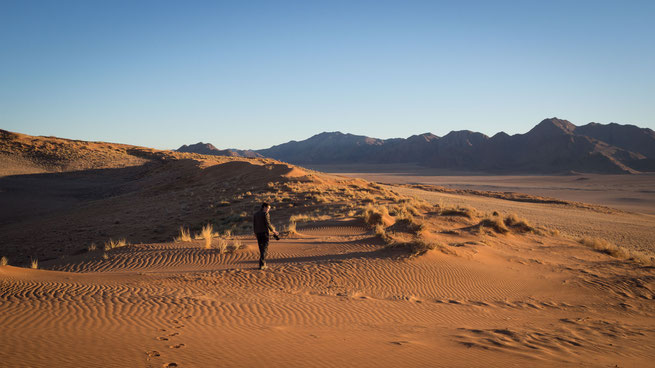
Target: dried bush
518,224
111,244
603,246
207,234
467,212
495,223
184,236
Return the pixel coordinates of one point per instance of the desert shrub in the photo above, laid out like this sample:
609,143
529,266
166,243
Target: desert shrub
105,256
184,236
207,234
236,244
291,228
495,223
92,247
419,246
606,247
4,261
409,224
603,246
111,244
381,231
374,215
519,224
467,212
309,217
221,245
34,263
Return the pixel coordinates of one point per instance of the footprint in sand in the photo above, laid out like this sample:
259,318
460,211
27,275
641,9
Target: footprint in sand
162,338
178,346
168,365
153,354
174,334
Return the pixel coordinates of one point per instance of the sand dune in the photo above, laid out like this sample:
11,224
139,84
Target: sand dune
335,295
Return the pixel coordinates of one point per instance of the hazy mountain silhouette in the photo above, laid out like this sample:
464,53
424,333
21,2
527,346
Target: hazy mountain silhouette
552,146
209,149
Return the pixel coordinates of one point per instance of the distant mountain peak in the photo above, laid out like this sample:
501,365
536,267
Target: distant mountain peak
425,137
197,146
210,149
553,126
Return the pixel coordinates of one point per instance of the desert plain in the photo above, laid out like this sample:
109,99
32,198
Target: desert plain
107,264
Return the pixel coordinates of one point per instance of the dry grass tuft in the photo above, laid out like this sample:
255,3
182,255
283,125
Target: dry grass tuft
111,244
519,224
309,217
207,234
467,212
510,223
236,244
381,231
185,235
92,248
615,251
221,245
34,263
377,215
419,246
495,223
4,261
291,228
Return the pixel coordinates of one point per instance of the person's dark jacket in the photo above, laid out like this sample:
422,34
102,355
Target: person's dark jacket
262,223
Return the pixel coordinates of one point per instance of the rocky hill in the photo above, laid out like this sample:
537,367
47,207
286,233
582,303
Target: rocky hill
209,149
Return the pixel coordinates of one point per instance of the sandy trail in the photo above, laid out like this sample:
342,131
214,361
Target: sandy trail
334,296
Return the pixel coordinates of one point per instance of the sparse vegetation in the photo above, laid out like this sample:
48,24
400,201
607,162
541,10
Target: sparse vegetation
518,224
603,246
462,211
418,246
221,245
4,261
236,244
377,215
511,222
92,247
207,235
184,236
34,263
382,233
495,223
111,244
291,228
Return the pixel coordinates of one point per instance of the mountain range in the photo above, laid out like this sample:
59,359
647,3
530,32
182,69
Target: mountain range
552,146
209,149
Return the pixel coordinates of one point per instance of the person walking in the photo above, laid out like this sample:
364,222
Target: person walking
262,226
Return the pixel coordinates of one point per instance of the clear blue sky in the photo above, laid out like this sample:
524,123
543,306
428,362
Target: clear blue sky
250,74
